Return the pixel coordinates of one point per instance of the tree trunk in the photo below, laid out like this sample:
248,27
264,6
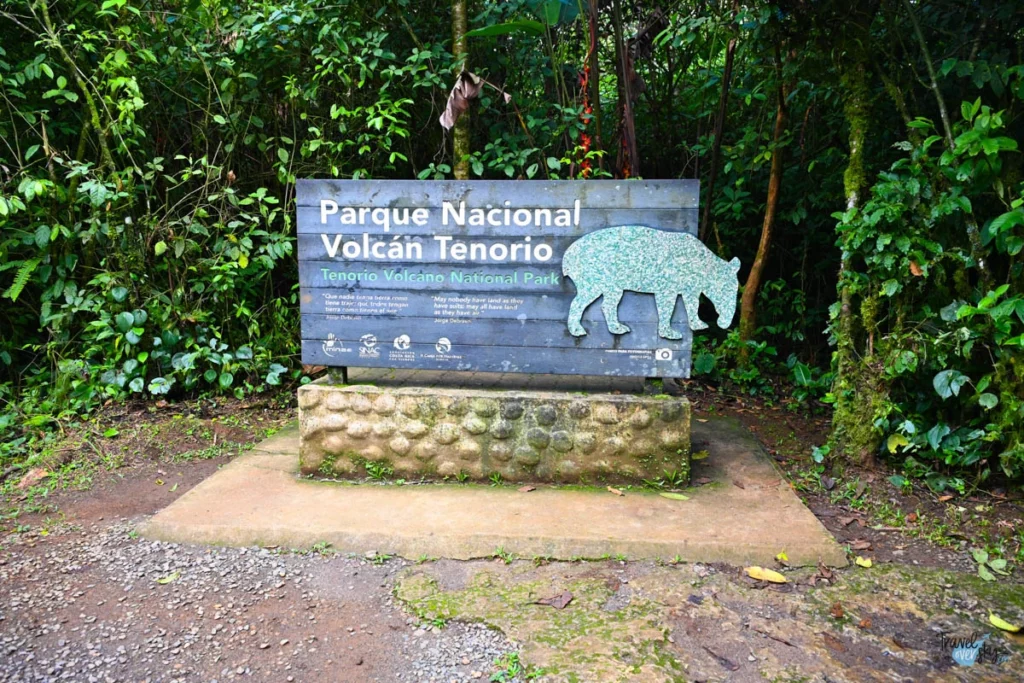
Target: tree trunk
858,388
460,50
595,81
716,145
628,164
748,304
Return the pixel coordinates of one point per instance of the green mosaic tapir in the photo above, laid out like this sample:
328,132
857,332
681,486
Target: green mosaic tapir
608,262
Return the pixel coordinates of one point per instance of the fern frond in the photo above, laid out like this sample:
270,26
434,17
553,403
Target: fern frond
21,279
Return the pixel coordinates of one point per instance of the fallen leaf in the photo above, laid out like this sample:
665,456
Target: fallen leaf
864,623
861,487
943,499
175,487
860,544
159,482
699,455
999,623
824,572
701,481
828,482
700,419
170,577
782,557
526,489
912,517
837,611
673,496
615,491
863,562
846,521
736,482
762,574
557,601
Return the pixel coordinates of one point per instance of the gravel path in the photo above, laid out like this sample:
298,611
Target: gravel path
102,605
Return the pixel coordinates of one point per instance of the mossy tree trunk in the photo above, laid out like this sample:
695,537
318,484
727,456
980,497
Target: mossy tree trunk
460,50
859,388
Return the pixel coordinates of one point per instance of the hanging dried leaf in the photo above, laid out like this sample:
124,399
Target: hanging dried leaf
916,269
467,87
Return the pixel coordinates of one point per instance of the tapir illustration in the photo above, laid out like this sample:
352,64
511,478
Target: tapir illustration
606,263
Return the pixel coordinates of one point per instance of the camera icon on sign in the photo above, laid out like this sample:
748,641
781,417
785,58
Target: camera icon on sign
662,354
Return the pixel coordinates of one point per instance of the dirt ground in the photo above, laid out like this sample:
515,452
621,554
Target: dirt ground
83,598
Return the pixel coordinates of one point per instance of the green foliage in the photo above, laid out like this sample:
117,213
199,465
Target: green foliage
949,350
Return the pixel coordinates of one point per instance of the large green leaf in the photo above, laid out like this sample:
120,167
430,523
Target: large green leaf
948,382
525,25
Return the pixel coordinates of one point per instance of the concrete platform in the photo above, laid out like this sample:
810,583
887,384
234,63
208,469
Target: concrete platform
746,515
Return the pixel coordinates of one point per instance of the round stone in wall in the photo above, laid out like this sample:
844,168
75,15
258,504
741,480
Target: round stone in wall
641,419
374,453
561,441
672,410
546,415
502,429
468,449
671,438
474,425
538,438
500,451
358,429
524,455
384,428
360,403
400,445
484,407
459,406
415,429
512,410
409,407
309,398
446,433
579,410
385,404
336,400
335,443
585,442
606,414
425,450
613,445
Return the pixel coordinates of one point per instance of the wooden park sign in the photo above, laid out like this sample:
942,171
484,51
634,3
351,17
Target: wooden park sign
506,276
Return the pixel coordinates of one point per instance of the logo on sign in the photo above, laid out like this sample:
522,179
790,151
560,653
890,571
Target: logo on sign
443,345
402,342
332,346
662,354
369,346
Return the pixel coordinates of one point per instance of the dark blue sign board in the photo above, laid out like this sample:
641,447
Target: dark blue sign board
560,277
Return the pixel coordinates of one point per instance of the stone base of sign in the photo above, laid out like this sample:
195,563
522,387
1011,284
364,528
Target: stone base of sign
745,513
474,434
